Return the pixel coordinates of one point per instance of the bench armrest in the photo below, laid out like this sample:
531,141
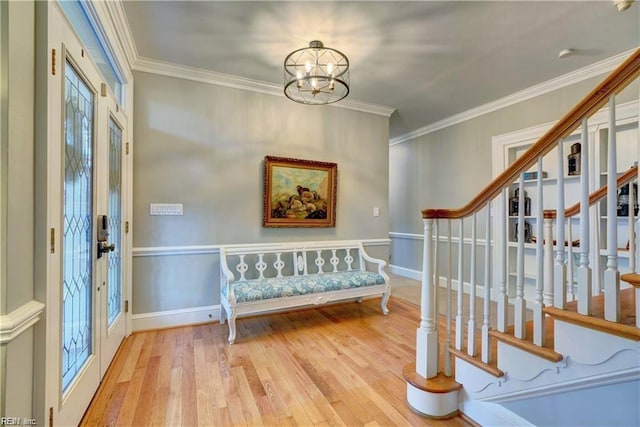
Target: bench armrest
225,271
381,263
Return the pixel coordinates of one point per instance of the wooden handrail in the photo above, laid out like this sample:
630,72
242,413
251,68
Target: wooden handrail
620,78
597,195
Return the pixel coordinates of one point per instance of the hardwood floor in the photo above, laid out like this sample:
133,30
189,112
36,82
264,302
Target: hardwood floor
333,365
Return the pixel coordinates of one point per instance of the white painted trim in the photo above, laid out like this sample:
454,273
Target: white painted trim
409,236
432,404
175,250
625,113
405,272
592,381
122,29
492,414
565,80
442,281
138,63
201,75
173,318
215,249
19,320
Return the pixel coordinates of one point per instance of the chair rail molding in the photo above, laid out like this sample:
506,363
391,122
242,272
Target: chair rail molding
215,249
19,320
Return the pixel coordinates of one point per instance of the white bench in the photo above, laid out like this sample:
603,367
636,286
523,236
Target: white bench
285,275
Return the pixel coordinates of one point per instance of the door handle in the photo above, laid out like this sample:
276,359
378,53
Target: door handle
104,247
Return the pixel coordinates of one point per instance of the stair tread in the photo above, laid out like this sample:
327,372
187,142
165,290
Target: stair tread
625,328
491,368
546,351
438,384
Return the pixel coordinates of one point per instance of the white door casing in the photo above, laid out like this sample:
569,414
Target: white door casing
69,399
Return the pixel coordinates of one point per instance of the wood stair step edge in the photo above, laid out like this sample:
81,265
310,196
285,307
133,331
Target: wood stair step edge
528,346
438,384
602,325
631,278
491,369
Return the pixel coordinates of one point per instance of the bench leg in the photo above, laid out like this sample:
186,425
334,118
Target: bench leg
223,314
383,303
232,327
359,300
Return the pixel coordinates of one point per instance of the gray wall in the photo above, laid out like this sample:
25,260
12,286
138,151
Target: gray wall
446,168
17,27
203,145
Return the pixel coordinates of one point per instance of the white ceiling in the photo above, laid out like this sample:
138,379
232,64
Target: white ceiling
428,60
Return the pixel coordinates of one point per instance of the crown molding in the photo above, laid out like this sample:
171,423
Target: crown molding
120,23
147,65
565,80
169,69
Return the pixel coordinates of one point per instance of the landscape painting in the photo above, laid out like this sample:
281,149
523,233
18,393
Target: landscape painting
299,193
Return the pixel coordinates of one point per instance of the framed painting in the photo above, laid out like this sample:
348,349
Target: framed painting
299,193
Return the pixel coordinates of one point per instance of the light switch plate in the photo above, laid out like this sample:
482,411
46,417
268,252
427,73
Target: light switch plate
165,209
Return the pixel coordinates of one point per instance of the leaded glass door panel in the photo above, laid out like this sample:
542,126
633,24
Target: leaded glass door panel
86,194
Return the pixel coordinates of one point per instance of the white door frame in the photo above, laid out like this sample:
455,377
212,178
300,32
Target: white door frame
61,37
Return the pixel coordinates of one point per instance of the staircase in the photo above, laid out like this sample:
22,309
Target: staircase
569,354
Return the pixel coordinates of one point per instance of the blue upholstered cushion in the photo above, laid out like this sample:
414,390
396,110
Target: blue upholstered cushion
262,289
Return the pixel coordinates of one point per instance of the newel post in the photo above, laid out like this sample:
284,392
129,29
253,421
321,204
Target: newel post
427,333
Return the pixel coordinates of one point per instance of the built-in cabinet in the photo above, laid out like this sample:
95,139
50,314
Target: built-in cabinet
507,148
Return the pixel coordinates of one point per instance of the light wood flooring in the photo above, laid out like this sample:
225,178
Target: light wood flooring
333,365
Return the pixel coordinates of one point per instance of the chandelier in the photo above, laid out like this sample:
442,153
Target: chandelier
316,75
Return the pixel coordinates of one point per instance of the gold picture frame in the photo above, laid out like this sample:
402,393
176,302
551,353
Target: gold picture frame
299,193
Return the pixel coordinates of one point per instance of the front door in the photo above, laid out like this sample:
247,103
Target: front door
85,316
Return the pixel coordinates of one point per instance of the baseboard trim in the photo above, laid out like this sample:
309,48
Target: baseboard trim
492,414
173,318
405,272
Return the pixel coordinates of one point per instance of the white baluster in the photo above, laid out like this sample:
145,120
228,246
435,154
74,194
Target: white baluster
447,345
636,236
611,274
459,318
436,280
597,273
502,291
485,352
560,268
584,271
520,305
548,290
427,333
632,228
471,323
538,315
571,295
